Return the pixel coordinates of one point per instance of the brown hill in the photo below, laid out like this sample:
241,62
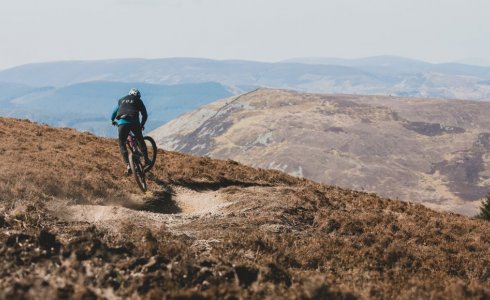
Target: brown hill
72,227
435,152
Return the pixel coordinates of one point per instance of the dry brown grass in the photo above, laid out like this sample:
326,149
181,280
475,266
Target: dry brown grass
282,237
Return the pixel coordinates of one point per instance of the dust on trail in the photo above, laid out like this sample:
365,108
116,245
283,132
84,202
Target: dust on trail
192,205
199,203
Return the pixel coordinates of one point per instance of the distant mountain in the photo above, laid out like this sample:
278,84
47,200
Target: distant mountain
88,106
375,64
398,65
239,75
476,61
78,94
426,150
381,75
10,91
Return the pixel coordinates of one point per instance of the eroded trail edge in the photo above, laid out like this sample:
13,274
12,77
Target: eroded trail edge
189,205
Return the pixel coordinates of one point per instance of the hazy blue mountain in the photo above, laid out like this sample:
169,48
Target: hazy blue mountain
10,91
476,61
383,64
88,106
233,73
68,72
379,75
398,65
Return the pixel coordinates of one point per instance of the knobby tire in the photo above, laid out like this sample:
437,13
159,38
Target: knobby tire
152,152
138,172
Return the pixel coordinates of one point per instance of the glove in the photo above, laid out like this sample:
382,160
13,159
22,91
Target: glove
114,123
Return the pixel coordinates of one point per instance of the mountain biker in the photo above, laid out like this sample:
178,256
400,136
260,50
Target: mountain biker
127,115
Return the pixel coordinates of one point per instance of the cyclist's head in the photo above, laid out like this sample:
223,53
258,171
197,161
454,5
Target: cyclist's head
134,92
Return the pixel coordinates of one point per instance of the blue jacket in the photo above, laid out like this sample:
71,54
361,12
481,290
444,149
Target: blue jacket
137,107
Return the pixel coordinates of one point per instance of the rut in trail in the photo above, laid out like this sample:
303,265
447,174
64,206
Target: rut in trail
188,205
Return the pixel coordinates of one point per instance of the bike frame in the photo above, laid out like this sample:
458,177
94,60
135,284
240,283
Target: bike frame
135,160
131,141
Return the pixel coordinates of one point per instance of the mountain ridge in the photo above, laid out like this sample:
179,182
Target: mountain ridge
411,149
376,75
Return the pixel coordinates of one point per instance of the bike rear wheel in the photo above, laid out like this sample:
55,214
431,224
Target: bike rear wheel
151,148
138,172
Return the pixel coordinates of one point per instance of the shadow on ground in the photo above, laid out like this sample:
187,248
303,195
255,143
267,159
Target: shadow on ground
161,201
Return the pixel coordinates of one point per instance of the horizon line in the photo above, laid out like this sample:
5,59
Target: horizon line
283,61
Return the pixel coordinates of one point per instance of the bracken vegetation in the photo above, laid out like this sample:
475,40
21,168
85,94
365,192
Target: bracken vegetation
485,209
280,237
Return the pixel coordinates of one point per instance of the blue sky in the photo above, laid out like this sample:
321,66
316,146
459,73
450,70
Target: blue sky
265,30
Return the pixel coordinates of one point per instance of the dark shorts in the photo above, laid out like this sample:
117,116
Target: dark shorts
124,130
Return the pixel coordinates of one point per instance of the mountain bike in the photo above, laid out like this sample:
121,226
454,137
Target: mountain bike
136,156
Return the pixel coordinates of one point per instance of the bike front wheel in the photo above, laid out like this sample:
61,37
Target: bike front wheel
138,172
151,148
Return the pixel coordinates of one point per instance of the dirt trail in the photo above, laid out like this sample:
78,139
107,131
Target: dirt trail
191,205
199,203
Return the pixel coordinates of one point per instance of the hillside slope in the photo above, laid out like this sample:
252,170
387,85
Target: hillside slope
72,226
431,151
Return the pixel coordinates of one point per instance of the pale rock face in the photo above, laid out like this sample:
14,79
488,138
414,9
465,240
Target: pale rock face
431,151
